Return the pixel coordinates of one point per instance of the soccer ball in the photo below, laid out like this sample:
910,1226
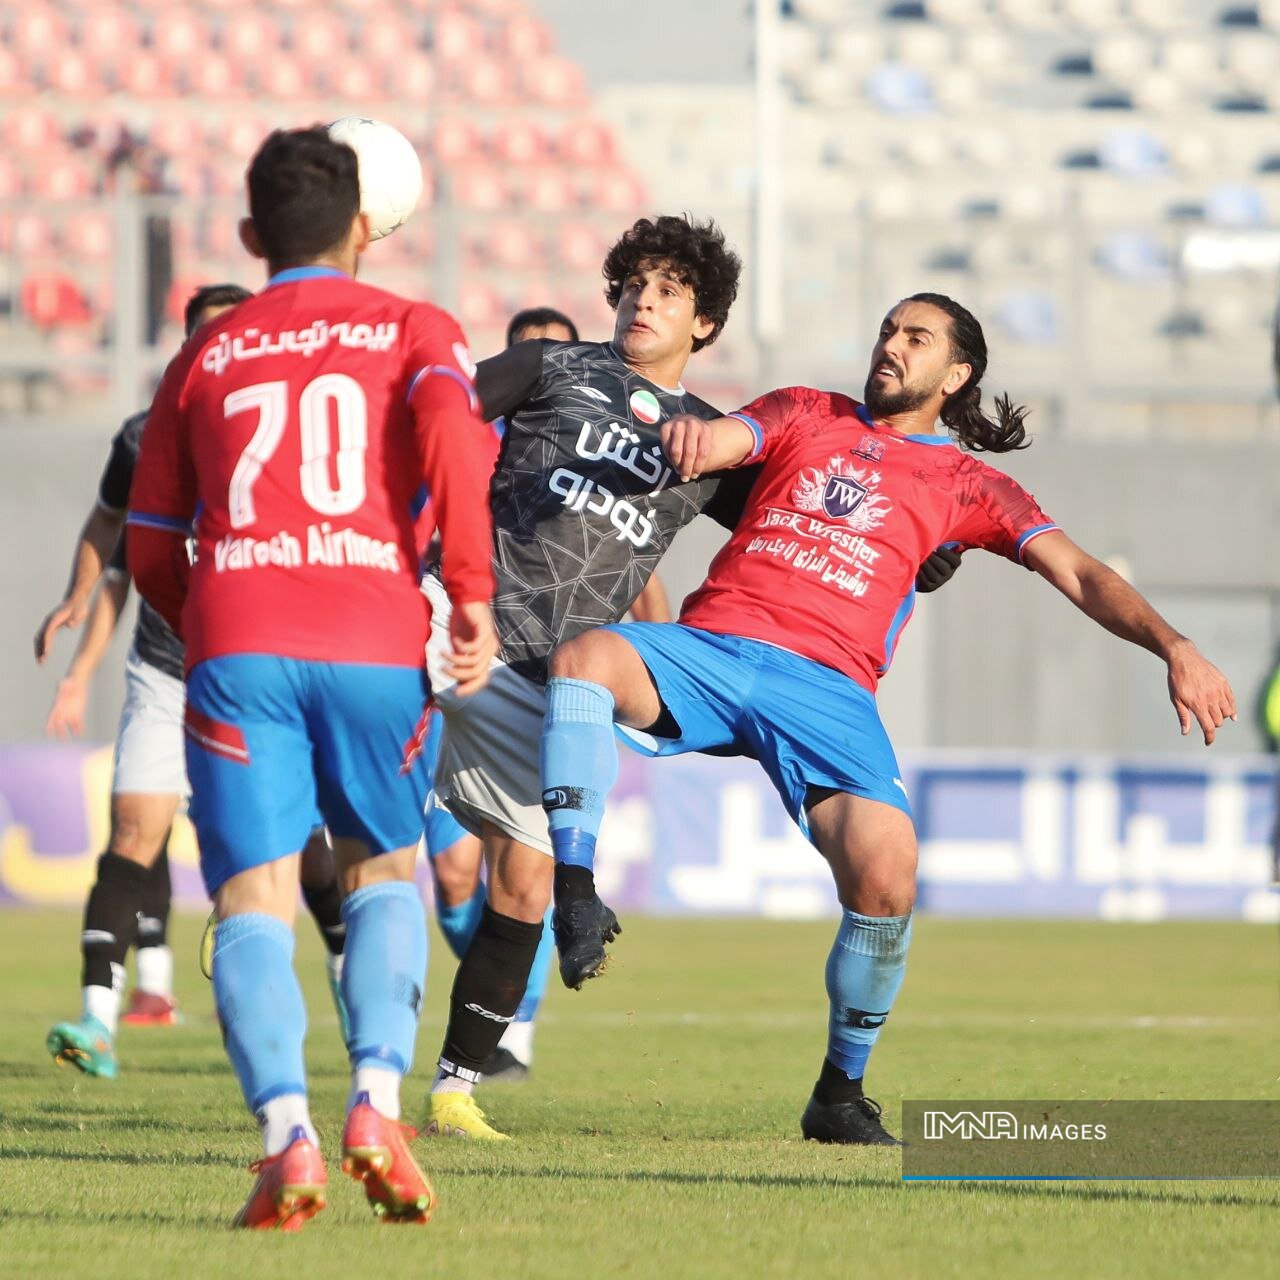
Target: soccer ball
390,171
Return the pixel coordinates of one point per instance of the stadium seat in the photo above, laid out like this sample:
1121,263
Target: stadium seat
457,140
72,74
37,29
54,300
547,189
519,141
1254,59
179,34
413,78
89,234
552,81
456,37
579,247
512,244
213,75
617,191
586,142
176,133
320,39
385,36
145,75
14,80
283,78
1193,60
480,187
59,176
523,36
12,179
105,31
480,306
924,46
249,36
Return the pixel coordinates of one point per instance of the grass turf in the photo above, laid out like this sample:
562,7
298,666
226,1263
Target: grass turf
659,1135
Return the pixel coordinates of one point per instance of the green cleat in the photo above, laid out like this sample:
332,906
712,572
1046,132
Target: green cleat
85,1045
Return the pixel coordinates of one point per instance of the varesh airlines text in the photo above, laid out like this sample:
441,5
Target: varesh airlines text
333,548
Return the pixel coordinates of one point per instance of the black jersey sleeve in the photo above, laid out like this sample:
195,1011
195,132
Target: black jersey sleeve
504,382
726,504
117,475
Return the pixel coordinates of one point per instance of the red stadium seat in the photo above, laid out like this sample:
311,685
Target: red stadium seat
72,74
14,81
176,134
320,38
480,306
413,78
213,75
106,31
617,191
60,175
548,189
510,243
523,36
31,129
556,82
220,236
283,77
385,36
249,36
37,30
146,75
88,235
187,175
456,36
180,34
12,181
484,81
26,235
53,299
586,142
480,187
519,141
456,141
579,247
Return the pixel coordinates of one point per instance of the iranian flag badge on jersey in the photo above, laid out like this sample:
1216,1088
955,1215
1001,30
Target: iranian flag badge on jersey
644,404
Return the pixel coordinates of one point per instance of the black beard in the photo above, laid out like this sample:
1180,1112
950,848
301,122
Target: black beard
884,403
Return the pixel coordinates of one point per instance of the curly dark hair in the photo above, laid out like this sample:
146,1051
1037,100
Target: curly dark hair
694,252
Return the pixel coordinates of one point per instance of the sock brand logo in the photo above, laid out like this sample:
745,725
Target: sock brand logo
408,992
863,1020
567,798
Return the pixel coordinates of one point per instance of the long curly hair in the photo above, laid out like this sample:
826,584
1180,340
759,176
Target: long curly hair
962,412
694,252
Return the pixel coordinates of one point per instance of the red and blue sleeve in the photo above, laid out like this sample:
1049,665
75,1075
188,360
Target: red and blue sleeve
456,448
162,502
1002,517
770,417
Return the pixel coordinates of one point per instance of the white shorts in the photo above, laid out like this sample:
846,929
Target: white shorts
150,749
488,769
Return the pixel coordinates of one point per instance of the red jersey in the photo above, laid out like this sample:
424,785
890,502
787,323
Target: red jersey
296,430
824,558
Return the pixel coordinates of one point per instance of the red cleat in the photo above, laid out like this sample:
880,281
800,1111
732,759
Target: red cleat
148,1010
375,1151
289,1190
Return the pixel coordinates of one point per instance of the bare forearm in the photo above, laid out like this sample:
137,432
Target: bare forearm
651,605
1112,603
104,617
97,540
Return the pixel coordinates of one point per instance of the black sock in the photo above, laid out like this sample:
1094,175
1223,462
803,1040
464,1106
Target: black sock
834,1086
111,920
325,904
157,893
488,989
572,883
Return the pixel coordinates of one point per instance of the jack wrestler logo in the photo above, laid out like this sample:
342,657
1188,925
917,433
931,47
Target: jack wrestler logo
843,492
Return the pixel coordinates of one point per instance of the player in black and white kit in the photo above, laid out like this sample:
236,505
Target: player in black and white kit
129,902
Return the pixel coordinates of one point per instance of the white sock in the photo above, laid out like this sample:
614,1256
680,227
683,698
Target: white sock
103,1003
517,1040
334,965
446,1082
280,1117
155,971
382,1084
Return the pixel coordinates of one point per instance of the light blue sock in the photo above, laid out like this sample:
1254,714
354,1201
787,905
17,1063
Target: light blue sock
384,972
864,972
458,923
536,987
264,1020
579,765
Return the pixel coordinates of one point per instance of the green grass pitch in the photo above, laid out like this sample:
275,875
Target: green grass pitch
659,1136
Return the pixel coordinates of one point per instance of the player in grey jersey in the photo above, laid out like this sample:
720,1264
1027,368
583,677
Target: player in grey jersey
128,904
584,506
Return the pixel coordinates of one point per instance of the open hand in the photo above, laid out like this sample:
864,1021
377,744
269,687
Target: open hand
1199,692
473,644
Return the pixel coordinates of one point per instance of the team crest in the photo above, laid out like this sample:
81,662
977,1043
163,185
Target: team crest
870,448
843,492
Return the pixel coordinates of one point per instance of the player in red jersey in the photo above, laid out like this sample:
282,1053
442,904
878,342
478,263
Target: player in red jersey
777,656
295,432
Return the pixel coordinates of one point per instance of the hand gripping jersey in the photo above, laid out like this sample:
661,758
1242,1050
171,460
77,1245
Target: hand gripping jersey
153,638
584,503
297,429
843,514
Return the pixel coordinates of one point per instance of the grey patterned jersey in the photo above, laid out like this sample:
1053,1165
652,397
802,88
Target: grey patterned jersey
584,503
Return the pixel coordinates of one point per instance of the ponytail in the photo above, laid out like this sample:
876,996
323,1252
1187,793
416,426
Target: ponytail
962,411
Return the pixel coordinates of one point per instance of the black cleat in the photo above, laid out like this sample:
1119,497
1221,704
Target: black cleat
582,926
854,1123
503,1067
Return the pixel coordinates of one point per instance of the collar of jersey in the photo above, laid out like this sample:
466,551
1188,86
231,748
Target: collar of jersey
864,416
291,274
677,390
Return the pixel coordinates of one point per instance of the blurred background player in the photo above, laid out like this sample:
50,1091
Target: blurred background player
301,431
455,854
778,654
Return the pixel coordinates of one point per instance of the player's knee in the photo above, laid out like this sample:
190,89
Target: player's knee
133,839
455,881
522,898
582,658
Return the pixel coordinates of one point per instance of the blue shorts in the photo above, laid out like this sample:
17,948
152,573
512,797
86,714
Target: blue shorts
276,746
809,726
443,829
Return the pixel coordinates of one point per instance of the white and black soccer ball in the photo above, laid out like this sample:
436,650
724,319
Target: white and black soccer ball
390,171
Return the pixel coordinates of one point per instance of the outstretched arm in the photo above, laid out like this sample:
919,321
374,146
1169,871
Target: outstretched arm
696,445
1197,689
99,535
